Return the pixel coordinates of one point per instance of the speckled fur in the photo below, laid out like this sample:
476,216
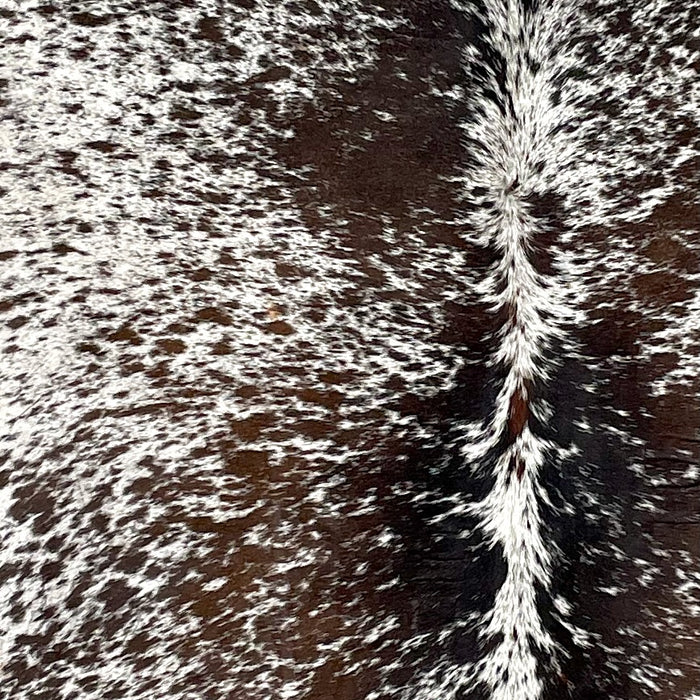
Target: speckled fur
350,350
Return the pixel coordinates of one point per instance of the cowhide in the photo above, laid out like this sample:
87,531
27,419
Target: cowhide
349,350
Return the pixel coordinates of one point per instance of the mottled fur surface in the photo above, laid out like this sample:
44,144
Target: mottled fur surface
350,350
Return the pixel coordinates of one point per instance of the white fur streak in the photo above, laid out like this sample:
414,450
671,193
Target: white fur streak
519,156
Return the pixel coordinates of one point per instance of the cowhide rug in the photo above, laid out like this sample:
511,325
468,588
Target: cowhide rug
349,350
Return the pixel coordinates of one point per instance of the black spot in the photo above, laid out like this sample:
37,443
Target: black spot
64,249
91,348
184,114
271,75
22,39
87,19
102,146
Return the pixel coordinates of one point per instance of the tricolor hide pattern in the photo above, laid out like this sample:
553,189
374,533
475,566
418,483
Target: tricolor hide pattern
350,350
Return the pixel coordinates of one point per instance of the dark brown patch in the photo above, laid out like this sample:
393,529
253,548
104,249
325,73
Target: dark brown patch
17,322
214,315
209,29
185,114
518,413
247,461
202,274
125,334
247,391
87,19
223,347
102,146
171,346
249,429
280,328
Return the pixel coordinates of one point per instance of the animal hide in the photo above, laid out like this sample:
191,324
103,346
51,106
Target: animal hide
349,350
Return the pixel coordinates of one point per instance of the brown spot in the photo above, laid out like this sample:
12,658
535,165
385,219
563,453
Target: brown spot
184,114
662,287
51,570
328,399
675,211
206,607
288,270
210,30
125,334
202,274
666,250
17,322
247,391
227,259
280,328
132,368
116,594
40,502
91,348
330,377
273,313
247,461
179,328
171,346
138,644
315,429
518,414
249,430
214,315
223,347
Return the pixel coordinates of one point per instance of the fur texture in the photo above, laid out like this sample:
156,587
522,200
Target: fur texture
349,350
